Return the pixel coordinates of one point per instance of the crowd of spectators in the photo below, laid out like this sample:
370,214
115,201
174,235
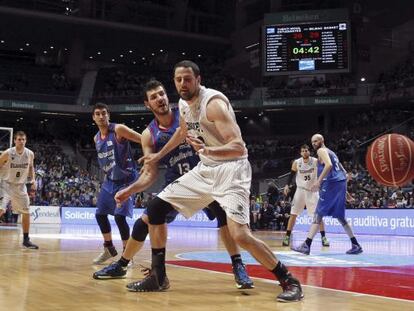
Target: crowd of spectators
395,83
122,85
366,193
60,181
32,78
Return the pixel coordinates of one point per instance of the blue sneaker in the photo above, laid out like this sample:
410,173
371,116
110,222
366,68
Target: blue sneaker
242,278
113,271
303,248
355,250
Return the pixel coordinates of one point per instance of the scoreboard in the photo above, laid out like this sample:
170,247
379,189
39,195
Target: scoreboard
306,48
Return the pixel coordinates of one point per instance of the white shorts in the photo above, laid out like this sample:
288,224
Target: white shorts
304,198
17,195
227,183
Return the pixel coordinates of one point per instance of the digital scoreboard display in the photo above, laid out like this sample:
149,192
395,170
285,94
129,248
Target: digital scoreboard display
306,48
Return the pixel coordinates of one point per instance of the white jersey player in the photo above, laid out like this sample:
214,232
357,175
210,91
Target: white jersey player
223,175
17,165
305,169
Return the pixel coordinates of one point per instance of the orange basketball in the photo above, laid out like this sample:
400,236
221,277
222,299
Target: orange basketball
390,160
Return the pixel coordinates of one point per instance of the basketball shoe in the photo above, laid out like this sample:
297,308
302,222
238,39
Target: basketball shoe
242,278
149,283
292,290
325,242
355,250
107,253
113,271
303,248
29,245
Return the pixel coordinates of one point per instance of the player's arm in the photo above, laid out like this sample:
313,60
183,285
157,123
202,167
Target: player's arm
31,175
177,139
148,174
123,131
219,113
292,174
4,157
324,156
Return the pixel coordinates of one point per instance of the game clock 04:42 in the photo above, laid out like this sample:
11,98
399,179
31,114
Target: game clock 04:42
306,50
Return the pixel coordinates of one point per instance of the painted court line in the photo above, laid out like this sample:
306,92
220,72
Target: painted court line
310,286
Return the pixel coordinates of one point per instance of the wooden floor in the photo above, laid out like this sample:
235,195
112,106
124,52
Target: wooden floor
58,276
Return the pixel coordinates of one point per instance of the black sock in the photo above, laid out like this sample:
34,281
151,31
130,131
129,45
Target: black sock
323,234
25,236
108,243
288,232
280,271
308,242
123,261
158,263
354,241
236,259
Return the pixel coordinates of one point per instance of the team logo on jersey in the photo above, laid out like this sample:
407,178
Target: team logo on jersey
163,138
194,126
109,143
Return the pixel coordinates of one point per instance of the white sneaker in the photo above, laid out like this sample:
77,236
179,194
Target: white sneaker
108,252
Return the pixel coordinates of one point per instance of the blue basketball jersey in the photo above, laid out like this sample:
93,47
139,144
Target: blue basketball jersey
179,161
115,157
336,173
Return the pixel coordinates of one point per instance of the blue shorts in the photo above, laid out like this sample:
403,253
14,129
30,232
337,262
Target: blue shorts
106,204
332,199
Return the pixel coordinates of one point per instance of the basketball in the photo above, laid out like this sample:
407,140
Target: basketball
390,160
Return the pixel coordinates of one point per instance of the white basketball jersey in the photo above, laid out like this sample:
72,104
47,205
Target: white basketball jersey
306,175
199,126
17,166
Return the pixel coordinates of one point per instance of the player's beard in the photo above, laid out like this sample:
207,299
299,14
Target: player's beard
187,95
161,111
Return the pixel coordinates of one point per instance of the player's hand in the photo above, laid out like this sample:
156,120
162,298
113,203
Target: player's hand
150,159
315,187
286,190
197,144
121,196
33,187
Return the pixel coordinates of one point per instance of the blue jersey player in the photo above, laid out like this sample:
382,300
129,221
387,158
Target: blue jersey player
331,185
178,161
115,159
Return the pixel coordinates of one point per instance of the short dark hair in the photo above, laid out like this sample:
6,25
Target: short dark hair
188,64
150,85
305,146
100,106
19,133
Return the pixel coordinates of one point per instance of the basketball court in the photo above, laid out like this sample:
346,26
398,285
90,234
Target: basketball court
59,275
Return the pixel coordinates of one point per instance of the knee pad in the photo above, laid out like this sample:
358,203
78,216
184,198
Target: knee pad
317,219
220,214
157,211
122,226
103,223
140,231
